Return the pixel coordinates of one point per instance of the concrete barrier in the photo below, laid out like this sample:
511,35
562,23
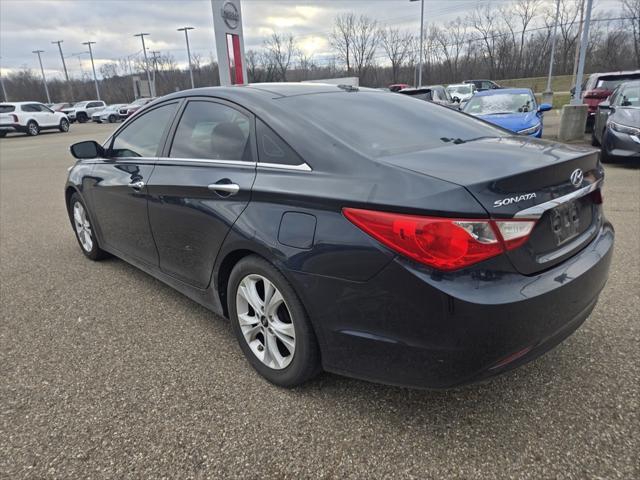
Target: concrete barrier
572,122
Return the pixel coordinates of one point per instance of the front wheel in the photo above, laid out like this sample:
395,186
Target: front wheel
84,230
64,125
112,119
270,324
82,118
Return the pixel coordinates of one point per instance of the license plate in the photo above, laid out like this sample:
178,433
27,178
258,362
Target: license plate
565,222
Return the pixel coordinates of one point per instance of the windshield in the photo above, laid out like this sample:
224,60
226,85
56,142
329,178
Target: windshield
629,96
379,124
500,103
80,104
611,83
464,89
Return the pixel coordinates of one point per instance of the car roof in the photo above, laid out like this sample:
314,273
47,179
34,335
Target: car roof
515,91
613,74
21,103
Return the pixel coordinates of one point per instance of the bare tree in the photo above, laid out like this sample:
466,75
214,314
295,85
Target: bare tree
365,42
281,49
342,38
396,45
483,20
631,9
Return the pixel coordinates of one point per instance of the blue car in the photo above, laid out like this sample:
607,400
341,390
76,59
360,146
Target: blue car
512,108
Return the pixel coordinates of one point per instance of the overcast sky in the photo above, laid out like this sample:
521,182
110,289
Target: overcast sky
27,25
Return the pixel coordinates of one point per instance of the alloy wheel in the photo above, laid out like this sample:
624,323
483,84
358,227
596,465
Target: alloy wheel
64,125
33,129
82,226
265,321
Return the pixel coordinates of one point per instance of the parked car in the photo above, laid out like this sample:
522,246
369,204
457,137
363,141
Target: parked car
58,107
617,123
128,110
396,87
600,86
30,118
463,91
82,111
482,85
109,114
434,93
401,242
515,109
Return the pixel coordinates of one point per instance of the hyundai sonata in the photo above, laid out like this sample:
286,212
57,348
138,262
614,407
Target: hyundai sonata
350,230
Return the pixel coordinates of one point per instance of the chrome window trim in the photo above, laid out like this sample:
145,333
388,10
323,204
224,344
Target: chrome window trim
538,210
303,167
241,163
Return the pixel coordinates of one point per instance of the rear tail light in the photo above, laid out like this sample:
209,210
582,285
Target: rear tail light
443,243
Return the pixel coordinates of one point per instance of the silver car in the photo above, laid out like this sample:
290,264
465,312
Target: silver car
108,114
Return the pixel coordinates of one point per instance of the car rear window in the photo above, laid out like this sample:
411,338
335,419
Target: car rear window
610,83
382,124
7,108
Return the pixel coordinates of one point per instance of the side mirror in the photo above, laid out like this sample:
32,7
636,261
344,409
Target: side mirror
87,149
544,107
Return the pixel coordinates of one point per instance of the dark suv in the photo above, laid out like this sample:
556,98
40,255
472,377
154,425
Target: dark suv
484,84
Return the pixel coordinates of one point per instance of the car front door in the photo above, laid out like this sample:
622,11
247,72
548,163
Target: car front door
119,190
49,118
200,186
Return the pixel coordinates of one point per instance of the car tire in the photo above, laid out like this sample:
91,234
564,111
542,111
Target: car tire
82,117
64,125
278,327
112,119
85,233
3,134
594,140
32,128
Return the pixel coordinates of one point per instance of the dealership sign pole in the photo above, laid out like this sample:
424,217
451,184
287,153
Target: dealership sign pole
227,26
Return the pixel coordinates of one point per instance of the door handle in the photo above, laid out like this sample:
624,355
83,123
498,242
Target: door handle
230,188
136,185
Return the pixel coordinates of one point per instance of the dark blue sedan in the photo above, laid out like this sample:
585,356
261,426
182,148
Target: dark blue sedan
512,108
349,230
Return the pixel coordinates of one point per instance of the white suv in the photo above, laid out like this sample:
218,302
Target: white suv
30,118
82,111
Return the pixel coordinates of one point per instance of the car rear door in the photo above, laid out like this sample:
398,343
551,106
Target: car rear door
201,186
119,191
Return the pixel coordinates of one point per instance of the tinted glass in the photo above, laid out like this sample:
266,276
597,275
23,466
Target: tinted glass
272,149
7,108
380,124
212,131
628,96
500,103
141,137
29,108
610,83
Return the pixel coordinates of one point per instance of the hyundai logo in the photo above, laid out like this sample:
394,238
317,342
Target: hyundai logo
576,177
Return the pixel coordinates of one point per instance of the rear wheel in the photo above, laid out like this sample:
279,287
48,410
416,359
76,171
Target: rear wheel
64,125
112,119
271,324
32,129
3,134
82,117
84,230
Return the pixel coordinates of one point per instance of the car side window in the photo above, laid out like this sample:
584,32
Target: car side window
142,136
30,108
272,149
212,131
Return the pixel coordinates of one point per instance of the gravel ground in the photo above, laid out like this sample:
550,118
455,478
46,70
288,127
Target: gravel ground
107,373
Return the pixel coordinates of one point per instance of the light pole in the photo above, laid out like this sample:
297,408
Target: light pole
95,78
553,46
154,58
146,63
44,79
5,98
421,40
186,37
577,100
64,65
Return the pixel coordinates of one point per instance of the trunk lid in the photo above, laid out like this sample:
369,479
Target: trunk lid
513,177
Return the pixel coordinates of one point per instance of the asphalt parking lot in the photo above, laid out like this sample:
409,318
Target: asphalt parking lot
108,373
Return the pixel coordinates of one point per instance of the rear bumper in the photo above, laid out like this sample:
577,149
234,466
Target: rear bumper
12,127
415,327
